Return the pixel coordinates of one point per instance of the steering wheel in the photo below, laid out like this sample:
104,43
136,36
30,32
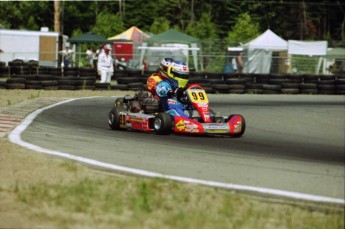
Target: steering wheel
183,98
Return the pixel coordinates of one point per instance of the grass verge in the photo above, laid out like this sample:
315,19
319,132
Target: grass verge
38,191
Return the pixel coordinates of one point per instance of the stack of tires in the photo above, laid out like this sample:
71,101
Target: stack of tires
18,73
326,85
120,76
291,84
200,78
87,79
340,84
133,80
236,83
216,82
308,84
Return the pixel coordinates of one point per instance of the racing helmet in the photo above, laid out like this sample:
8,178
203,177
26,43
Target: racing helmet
163,88
163,67
179,72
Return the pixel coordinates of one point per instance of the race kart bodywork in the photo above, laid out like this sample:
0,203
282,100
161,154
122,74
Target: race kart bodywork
144,113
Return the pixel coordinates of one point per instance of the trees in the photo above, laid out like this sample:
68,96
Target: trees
243,31
323,19
108,24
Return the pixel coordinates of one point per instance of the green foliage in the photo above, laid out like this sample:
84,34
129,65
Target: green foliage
159,25
23,14
243,31
203,28
108,24
298,20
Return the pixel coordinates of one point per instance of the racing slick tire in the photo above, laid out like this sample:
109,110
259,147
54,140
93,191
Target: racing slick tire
162,124
243,128
114,118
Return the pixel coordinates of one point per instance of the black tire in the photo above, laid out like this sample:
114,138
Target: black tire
243,126
114,118
122,87
15,86
162,124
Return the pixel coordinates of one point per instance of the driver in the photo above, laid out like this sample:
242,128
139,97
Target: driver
157,77
170,88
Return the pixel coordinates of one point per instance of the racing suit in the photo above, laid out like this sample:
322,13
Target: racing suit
152,82
170,103
105,67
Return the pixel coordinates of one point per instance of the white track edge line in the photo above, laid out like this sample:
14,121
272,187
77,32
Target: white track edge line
15,137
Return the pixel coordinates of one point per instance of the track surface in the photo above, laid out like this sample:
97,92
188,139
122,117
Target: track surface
292,142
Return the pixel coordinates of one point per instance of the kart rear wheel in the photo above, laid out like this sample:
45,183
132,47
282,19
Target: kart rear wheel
162,124
114,118
243,127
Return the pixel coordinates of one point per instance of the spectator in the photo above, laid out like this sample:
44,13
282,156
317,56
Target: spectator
89,57
239,62
66,56
105,67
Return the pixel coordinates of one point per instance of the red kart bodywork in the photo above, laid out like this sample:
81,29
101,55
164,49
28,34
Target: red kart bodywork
201,121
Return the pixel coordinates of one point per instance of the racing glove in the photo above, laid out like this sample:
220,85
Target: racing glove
171,94
179,92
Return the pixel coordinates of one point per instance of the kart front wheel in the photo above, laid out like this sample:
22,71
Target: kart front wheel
162,124
238,125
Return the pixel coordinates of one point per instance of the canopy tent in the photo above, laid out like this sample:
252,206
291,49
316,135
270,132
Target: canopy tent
309,48
259,52
172,36
86,38
333,61
170,43
134,34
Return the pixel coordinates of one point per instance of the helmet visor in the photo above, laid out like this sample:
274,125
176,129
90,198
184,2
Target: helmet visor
180,75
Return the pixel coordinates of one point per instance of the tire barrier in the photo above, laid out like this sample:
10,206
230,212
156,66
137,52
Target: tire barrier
29,75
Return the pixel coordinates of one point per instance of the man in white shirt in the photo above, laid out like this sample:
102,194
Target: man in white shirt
105,65
67,56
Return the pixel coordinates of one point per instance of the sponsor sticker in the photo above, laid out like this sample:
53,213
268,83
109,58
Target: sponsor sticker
180,125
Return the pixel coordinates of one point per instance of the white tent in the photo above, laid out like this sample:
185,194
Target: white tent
309,48
170,43
259,52
335,56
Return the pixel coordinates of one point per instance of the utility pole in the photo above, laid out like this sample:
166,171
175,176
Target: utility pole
56,16
57,28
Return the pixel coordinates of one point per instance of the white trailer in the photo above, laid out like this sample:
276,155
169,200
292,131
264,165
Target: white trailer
42,46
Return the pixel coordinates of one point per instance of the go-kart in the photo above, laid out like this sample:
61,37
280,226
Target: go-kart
142,112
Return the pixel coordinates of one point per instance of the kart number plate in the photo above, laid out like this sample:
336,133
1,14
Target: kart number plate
197,95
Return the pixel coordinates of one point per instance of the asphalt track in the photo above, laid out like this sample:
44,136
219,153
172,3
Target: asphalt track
293,143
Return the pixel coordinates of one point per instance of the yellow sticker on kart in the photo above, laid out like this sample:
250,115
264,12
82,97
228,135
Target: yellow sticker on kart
197,96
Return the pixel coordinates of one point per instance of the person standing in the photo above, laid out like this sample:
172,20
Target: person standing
89,57
239,62
67,56
105,67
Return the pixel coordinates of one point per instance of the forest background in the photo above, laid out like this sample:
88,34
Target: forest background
216,23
